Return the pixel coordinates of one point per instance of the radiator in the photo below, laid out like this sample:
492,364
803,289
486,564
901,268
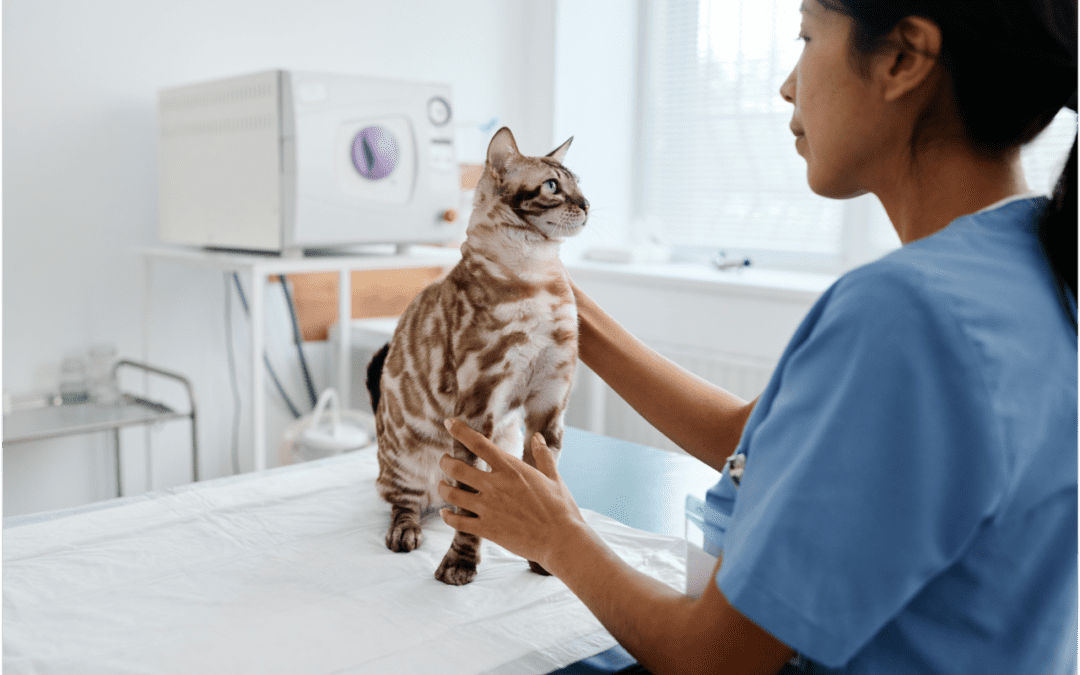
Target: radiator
594,406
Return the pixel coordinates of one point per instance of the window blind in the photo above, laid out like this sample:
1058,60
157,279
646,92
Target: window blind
718,166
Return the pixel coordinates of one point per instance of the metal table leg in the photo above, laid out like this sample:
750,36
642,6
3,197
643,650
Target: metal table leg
116,446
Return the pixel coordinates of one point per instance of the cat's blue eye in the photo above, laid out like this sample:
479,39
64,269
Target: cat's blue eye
552,185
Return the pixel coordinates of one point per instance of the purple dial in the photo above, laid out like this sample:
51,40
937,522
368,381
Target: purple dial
374,153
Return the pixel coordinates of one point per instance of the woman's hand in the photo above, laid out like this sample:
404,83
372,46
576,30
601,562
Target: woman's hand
527,511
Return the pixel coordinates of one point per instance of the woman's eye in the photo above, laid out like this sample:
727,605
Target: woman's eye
804,38
551,185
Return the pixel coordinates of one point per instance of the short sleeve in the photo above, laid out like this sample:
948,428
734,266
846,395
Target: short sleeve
870,468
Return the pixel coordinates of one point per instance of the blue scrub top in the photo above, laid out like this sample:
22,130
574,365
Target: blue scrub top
909,500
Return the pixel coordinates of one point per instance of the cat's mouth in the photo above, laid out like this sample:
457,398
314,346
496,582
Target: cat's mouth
562,229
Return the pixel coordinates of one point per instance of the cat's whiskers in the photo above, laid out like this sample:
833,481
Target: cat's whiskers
599,225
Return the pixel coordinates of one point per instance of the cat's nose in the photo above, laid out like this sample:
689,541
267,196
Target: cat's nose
584,204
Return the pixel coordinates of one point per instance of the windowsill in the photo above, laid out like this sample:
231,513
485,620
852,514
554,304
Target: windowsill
706,279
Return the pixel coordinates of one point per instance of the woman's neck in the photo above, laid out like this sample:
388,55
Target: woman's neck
944,183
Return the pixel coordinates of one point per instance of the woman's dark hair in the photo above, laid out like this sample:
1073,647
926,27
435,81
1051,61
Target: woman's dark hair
1013,67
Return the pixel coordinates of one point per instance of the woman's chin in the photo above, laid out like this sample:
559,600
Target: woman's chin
831,188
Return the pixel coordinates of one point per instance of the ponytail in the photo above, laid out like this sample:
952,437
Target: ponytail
1057,233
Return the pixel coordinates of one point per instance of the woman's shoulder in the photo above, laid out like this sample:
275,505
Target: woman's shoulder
978,293
987,262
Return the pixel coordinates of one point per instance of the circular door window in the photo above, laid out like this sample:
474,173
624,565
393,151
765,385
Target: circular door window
374,153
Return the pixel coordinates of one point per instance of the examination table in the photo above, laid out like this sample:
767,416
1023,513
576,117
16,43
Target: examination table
285,571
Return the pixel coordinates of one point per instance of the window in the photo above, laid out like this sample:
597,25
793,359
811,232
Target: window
718,168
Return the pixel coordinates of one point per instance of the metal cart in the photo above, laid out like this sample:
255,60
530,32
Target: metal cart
54,421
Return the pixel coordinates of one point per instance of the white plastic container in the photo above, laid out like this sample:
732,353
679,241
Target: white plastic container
699,562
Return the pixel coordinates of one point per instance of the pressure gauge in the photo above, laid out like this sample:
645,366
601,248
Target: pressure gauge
438,111
374,153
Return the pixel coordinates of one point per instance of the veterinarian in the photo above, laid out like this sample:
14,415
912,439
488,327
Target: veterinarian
908,494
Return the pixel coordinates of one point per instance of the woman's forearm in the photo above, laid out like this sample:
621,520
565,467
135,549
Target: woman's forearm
643,614
696,415
663,629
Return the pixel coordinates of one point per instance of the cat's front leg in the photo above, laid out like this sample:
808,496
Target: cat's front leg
398,485
548,422
545,404
458,566
405,533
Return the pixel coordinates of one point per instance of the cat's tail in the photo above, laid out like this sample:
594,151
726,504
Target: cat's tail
374,374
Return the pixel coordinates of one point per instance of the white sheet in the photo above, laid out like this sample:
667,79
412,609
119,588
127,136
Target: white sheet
286,573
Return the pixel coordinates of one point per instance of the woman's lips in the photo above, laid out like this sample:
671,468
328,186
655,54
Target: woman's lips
799,136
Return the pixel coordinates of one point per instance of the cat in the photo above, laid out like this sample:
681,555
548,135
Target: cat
494,343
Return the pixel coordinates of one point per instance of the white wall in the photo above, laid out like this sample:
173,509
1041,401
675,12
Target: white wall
79,84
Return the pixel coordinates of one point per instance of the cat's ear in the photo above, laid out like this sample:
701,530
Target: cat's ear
501,149
558,153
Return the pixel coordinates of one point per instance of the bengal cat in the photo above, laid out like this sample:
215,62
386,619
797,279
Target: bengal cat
494,344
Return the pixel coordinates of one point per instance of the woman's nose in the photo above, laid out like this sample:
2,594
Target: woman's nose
787,89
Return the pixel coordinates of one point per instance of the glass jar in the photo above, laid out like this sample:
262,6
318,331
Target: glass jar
99,374
73,387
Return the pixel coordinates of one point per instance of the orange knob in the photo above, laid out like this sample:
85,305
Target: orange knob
449,215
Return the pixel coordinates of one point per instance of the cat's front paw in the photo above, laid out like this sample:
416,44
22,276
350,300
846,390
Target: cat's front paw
455,571
404,537
535,567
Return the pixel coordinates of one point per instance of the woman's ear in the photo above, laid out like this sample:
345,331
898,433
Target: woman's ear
912,54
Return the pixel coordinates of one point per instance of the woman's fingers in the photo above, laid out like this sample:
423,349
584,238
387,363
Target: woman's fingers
544,458
467,500
525,510
463,472
476,442
461,522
